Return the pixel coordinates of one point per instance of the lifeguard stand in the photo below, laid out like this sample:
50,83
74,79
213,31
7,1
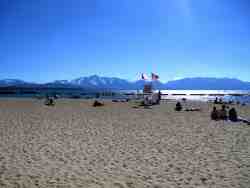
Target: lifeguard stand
148,89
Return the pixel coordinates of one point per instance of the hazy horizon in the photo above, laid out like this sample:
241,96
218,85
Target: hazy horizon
43,41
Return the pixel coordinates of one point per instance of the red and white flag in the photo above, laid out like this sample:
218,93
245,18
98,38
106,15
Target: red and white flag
144,77
154,76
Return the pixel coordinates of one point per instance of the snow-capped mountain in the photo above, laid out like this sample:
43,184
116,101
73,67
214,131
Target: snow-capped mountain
99,82
102,82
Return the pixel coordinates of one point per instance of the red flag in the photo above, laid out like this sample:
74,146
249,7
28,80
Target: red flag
144,77
154,76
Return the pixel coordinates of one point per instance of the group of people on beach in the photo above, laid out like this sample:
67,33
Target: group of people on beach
231,115
222,114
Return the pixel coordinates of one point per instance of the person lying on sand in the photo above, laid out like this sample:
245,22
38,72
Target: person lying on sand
121,100
247,121
192,109
97,104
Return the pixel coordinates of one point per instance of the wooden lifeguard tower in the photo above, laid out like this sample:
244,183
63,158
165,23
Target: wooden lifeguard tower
148,89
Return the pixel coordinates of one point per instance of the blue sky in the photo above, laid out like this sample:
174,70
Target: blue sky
45,40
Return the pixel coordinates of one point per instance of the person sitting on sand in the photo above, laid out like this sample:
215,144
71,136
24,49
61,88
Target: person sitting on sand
223,113
214,114
178,106
49,101
233,115
97,103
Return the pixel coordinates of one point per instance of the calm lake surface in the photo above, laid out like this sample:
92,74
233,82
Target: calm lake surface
205,95
201,95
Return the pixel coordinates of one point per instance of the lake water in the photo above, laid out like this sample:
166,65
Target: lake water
242,96
201,95
206,95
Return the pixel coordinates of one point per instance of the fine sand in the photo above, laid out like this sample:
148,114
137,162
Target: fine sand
117,146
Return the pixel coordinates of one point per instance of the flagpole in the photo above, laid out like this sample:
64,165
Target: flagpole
152,82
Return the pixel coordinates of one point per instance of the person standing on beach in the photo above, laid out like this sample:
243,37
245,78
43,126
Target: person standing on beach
216,100
159,97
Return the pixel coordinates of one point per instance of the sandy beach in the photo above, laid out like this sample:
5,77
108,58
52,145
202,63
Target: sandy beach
116,146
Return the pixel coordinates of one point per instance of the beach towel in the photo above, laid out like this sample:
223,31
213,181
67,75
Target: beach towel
244,120
192,109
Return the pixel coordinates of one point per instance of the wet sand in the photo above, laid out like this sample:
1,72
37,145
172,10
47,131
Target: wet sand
116,146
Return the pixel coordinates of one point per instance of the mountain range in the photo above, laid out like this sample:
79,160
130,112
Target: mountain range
99,82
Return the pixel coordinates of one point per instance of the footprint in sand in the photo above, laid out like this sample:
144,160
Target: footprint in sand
95,185
118,185
130,184
121,184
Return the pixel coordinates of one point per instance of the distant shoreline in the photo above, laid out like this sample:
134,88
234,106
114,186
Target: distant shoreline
239,96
